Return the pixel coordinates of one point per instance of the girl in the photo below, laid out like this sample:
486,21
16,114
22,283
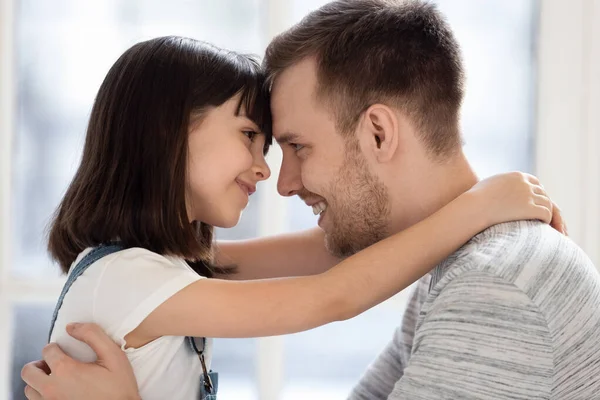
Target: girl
175,144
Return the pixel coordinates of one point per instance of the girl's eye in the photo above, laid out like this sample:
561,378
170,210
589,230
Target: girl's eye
250,135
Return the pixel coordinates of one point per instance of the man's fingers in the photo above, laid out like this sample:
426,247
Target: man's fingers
54,356
34,376
91,334
41,364
32,394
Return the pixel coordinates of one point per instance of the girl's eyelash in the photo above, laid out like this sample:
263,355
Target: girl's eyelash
250,134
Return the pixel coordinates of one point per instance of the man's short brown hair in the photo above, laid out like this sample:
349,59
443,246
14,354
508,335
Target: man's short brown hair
401,53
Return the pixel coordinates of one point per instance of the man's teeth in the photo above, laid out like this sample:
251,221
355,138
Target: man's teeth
319,207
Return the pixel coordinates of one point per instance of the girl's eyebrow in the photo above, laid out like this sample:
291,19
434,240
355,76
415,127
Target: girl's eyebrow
248,120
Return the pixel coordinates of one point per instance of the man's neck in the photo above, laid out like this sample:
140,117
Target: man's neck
431,188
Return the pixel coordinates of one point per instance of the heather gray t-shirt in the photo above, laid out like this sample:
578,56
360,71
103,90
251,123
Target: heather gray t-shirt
513,314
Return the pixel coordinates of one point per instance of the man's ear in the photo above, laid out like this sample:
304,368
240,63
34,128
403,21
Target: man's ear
379,130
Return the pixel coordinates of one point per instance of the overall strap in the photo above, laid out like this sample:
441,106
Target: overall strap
90,258
210,379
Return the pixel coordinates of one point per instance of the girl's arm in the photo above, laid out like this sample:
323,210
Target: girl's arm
219,308
291,254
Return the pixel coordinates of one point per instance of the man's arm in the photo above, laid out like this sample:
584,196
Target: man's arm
482,338
379,379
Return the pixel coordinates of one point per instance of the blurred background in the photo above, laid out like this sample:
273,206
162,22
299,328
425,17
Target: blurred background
532,104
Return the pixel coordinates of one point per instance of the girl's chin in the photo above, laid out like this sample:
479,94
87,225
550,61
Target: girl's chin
228,222
223,218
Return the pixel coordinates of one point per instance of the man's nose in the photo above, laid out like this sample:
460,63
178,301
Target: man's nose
290,181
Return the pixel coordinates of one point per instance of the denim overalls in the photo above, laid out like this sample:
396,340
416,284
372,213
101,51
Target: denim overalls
209,381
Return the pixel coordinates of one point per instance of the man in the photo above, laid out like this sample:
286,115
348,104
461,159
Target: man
366,96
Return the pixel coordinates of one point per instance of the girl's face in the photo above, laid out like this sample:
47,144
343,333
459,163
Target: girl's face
225,162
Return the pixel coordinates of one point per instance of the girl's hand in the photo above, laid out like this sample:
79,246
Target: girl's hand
515,196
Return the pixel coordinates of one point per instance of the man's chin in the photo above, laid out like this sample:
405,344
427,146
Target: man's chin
337,248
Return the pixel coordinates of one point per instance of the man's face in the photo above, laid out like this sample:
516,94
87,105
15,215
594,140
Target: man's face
327,170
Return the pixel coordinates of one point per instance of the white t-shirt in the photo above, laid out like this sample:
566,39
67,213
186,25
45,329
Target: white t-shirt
118,292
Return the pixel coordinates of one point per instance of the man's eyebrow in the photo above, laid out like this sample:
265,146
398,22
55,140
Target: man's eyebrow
287,137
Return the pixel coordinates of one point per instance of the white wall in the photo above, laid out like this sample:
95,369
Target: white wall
6,125
568,120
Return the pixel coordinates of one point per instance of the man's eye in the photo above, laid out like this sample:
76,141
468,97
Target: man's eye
296,146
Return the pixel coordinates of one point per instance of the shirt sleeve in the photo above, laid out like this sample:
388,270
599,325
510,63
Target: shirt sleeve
379,379
132,285
482,338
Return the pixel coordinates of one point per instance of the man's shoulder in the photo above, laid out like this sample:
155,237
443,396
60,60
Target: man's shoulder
528,255
510,242
508,249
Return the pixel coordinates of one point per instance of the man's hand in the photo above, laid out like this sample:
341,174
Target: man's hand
58,376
